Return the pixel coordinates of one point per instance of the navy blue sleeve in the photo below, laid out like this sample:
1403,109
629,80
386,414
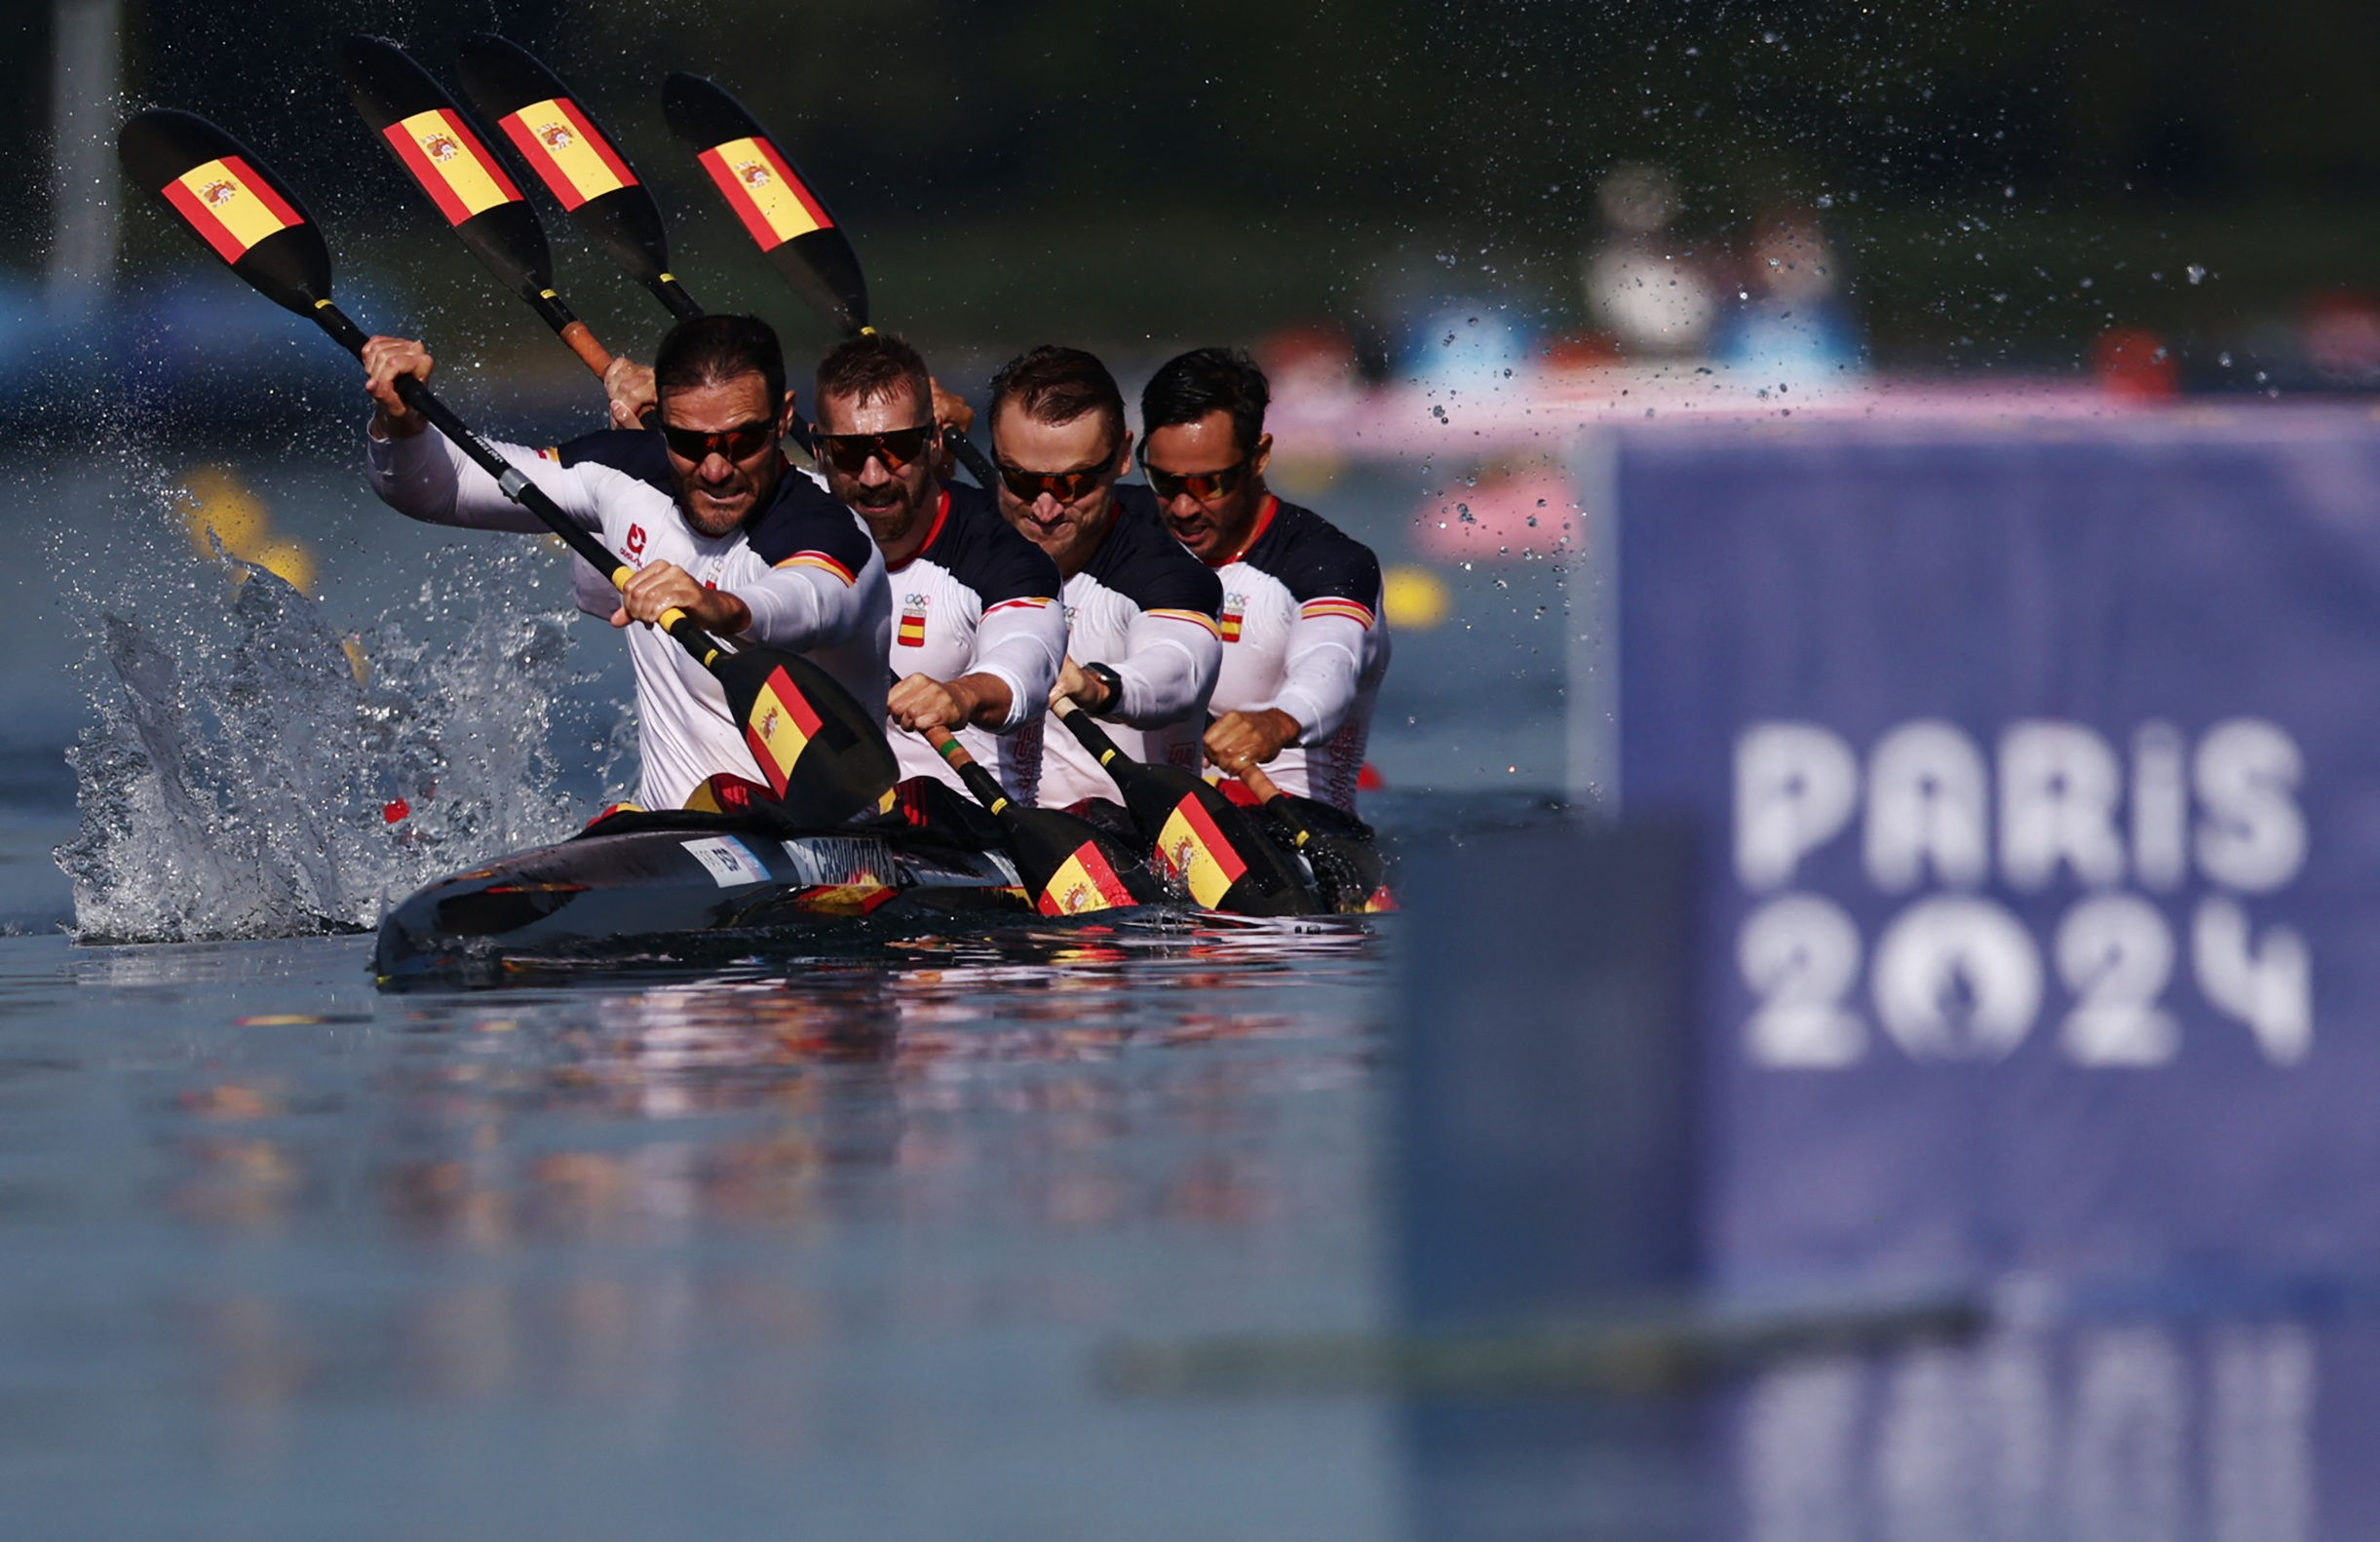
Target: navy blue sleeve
634,452
804,517
1316,560
1142,562
983,550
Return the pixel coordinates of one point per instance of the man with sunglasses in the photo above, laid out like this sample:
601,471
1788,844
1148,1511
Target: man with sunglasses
978,634
1304,643
704,510
1143,641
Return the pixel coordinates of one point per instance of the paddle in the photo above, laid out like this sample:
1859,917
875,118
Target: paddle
435,143
1071,867
823,753
584,171
1348,867
786,218
1200,837
560,142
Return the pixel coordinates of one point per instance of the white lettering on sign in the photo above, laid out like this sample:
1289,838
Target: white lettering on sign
1926,808
2059,785
1955,976
1797,789
1957,979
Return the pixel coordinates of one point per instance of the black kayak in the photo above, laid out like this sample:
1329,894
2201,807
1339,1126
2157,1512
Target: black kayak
682,883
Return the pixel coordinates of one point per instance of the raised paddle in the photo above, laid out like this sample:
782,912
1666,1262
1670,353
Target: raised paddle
823,754
786,217
1200,835
428,133
567,149
1348,867
1071,867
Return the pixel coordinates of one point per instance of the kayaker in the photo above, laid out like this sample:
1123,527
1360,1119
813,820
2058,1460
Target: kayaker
742,547
1304,641
978,634
1143,638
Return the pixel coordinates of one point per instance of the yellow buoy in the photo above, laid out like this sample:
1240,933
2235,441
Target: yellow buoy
1414,598
287,559
215,502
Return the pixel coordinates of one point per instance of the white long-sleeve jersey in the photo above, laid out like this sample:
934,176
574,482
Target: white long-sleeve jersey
1302,632
802,563
978,599
1146,608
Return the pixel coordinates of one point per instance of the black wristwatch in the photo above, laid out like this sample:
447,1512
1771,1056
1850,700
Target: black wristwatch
1110,678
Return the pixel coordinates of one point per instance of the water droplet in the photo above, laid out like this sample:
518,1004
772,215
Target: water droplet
2194,273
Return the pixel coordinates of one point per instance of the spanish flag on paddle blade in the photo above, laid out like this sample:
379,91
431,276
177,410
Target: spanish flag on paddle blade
781,726
230,206
1084,882
763,191
1191,845
574,162
450,164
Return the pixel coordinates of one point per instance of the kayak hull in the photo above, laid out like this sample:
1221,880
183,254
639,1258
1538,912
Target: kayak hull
678,886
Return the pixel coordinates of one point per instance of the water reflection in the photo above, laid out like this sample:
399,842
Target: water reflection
831,1229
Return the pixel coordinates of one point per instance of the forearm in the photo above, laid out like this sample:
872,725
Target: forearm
1168,672
1322,674
1020,646
426,477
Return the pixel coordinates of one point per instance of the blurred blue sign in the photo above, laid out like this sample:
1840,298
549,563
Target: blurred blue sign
2040,775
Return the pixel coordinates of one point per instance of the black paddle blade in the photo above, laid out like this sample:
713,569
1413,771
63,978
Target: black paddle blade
432,137
821,750
1071,867
561,142
1199,836
232,202
777,204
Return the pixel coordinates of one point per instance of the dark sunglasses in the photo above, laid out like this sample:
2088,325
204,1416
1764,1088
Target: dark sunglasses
1204,485
851,453
741,443
1066,486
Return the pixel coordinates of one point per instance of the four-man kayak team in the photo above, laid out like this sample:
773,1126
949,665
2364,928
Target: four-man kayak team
1198,617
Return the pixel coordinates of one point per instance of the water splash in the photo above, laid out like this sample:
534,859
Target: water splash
251,773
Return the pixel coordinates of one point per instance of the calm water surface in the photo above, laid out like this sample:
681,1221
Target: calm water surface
820,1250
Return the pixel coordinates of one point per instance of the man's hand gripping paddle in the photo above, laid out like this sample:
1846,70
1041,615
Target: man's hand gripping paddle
786,217
1201,835
1071,867
823,754
441,150
1349,868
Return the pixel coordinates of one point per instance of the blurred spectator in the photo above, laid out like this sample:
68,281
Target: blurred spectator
1791,324
2342,340
1643,287
2134,362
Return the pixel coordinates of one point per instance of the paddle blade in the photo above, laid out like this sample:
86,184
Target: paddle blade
565,148
432,137
1201,839
778,209
822,753
1071,869
232,202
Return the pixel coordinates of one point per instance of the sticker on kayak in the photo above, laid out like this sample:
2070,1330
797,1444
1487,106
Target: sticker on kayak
730,861
839,860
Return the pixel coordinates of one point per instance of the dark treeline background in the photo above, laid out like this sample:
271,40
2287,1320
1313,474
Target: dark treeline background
1015,169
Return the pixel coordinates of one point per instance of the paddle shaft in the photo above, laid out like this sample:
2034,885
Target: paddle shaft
706,650
983,783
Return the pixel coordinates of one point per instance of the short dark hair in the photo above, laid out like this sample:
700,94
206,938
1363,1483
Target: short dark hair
711,350
1208,380
1058,385
869,366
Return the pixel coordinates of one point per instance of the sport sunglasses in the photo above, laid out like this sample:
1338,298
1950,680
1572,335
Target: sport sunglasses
741,443
851,453
1204,485
1066,486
